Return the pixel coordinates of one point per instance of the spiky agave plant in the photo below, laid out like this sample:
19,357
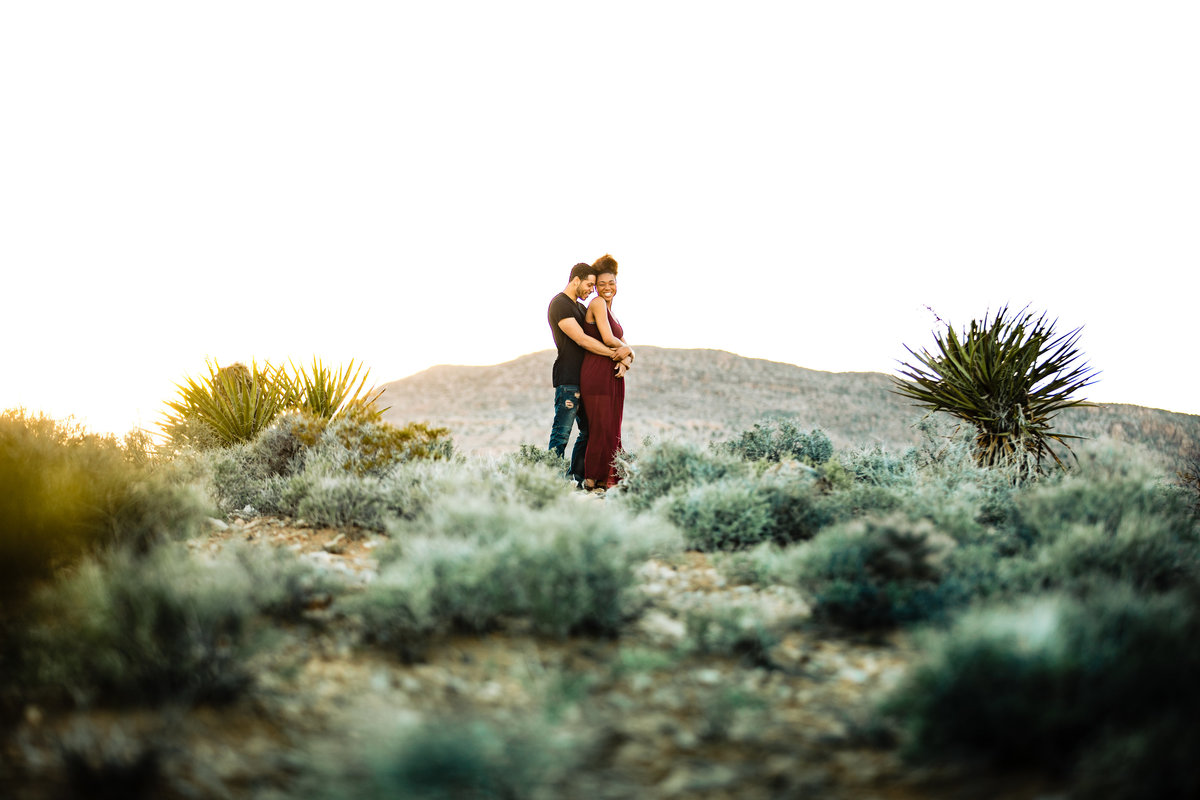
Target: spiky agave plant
1008,377
234,404
328,394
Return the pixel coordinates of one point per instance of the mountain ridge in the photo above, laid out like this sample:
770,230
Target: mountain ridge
700,395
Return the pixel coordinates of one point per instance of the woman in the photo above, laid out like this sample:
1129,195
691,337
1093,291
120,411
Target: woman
602,383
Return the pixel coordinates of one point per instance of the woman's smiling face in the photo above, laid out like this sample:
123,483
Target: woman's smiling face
606,286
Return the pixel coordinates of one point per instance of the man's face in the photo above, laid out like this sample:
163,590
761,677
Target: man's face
585,287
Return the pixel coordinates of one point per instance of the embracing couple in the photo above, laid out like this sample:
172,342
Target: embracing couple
589,385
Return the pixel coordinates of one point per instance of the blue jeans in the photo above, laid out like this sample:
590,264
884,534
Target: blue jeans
568,411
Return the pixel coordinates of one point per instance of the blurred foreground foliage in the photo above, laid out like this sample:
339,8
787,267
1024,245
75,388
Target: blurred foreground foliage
1058,610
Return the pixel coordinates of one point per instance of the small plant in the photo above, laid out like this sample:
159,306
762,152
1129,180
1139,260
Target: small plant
67,493
775,440
529,455
725,515
233,405
162,628
1189,479
1007,377
464,759
469,563
732,631
327,394
1059,684
874,573
660,468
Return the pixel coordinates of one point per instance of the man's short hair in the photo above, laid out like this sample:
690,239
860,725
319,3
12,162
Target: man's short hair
605,263
582,270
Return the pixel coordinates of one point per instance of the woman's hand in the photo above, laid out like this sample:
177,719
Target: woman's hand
621,369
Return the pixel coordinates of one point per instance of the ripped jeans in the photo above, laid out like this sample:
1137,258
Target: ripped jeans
568,410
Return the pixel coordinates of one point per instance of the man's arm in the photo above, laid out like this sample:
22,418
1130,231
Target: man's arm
599,309
571,327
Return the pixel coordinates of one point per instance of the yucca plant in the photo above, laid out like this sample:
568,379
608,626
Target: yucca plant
234,404
1008,377
328,394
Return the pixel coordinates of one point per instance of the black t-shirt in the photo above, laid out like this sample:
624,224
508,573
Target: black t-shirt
570,355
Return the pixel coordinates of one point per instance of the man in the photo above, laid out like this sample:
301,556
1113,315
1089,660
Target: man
566,315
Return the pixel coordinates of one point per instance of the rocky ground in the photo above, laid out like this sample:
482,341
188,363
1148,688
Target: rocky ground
651,714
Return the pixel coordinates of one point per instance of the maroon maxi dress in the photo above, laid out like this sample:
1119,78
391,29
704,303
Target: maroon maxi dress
604,403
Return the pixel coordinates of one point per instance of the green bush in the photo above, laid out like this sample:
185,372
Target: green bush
1059,684
877,572
776,440
235,404
344,501
739,631
1007,377
232,405
1110,519
463,759
530,455
369,448
661,468
725,515
468,564
797,509
161,628
67,492
327,394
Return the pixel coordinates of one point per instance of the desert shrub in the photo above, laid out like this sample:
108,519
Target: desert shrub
775,440
536,485
370,448
236,476
343,501
878,466
530,455
1188,477
282,585
463,759
877,572
466,565
67,492
232,405
326,394
1043,683
1007,377
1111,518
109,762
796,509
724,515
660,468
1105,489
280,449
161,628
739,630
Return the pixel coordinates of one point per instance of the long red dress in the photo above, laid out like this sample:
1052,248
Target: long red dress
604,403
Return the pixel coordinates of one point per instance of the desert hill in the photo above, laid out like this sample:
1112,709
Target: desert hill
700,395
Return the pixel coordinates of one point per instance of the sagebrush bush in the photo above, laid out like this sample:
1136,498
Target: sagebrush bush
775,440
344,501
660,468
467,564
464,759
724,515
367,447
159,628
66,492
1044,683
529,455
740,630
877,572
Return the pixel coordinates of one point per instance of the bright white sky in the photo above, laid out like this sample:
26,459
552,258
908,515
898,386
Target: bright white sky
408,184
